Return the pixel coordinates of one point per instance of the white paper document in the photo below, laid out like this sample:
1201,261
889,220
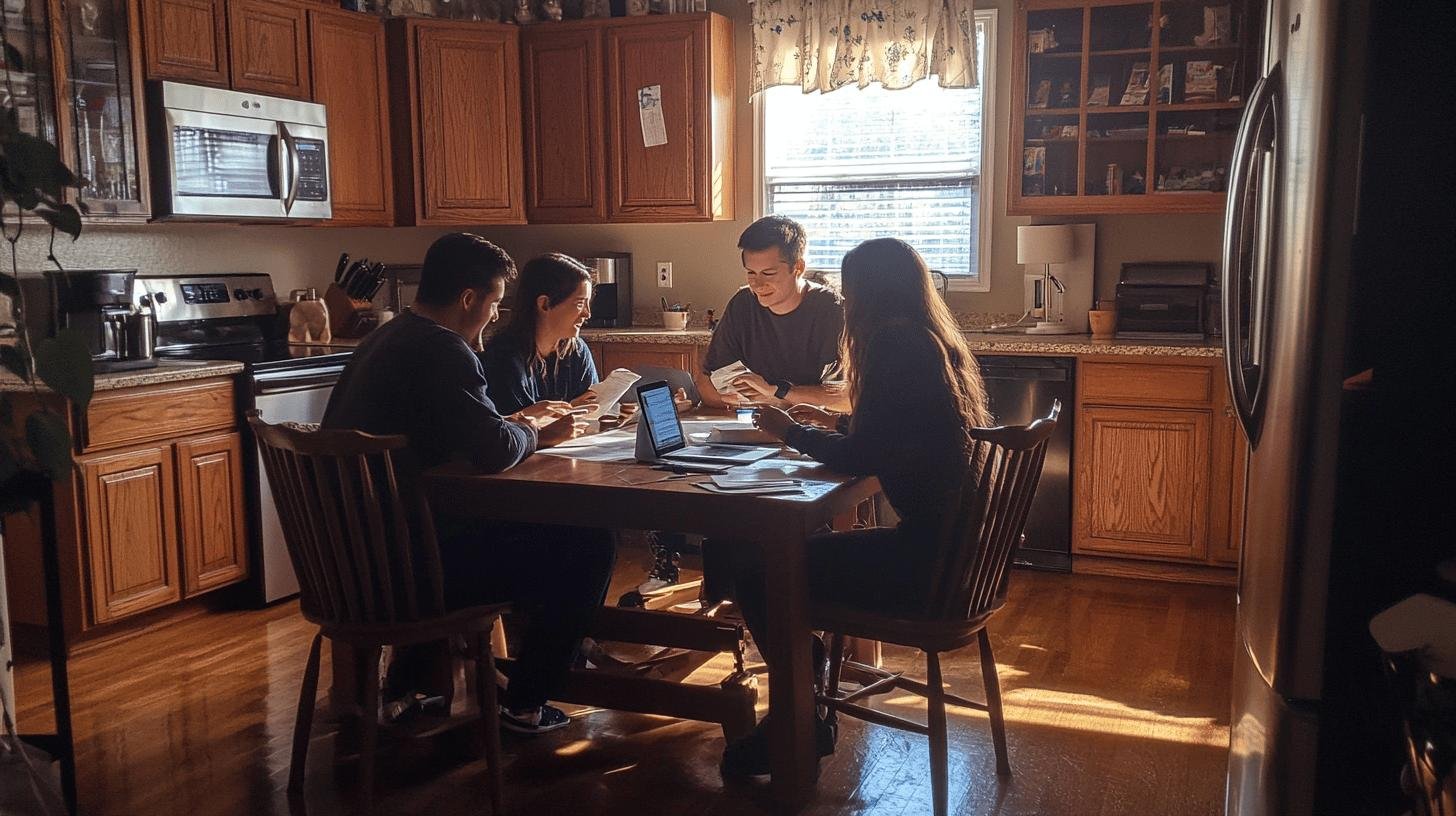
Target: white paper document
723,377
757,490
649,108
610,390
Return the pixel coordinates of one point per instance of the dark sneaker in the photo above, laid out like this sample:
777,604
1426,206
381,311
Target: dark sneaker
544,719
749,756
666,556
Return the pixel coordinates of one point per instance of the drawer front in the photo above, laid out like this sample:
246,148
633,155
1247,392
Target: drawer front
1121,383
134,415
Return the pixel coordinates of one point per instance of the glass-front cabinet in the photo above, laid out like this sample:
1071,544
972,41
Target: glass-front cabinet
101,116
1127,106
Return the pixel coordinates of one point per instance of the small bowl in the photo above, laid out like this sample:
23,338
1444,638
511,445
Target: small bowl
675,321
1104,323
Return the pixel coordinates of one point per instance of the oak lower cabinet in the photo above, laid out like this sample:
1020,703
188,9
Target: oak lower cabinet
587,157
456,122
679,356
349,77
152,516
1156,461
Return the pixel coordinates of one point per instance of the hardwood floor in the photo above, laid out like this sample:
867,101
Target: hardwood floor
1116,694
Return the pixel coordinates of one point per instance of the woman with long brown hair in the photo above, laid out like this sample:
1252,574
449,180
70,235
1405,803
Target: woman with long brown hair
915,390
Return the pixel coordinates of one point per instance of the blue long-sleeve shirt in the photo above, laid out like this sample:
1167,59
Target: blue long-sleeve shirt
515,381
413,376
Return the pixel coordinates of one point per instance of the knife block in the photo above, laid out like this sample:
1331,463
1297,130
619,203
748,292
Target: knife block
349,317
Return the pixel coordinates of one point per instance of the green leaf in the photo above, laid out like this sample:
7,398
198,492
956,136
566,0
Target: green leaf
14,360
50,443
13,60
7,412
9,286
37,164
64,218
64,363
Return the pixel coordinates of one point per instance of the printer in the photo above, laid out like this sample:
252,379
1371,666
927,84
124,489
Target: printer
1164,301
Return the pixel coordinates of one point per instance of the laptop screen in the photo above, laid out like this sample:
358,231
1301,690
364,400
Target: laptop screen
660,415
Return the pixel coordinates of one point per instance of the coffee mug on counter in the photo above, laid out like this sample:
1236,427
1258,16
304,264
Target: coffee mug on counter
1104,323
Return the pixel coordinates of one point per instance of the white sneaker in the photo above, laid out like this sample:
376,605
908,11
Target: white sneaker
653,586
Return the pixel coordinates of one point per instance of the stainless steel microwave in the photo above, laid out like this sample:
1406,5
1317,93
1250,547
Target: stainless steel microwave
233,155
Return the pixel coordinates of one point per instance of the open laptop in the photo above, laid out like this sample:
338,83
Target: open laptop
662,429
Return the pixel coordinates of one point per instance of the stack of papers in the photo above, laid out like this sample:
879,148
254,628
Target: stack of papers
723,378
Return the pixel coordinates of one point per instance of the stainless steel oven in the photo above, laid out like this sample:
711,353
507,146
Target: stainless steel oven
232,155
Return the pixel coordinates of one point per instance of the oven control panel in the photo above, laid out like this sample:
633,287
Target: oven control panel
176,299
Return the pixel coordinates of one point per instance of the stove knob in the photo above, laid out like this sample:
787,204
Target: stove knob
257,294
160,297
239,294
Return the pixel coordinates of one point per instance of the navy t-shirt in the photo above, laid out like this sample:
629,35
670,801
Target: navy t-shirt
515,380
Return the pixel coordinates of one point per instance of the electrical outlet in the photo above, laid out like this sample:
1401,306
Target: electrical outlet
664,274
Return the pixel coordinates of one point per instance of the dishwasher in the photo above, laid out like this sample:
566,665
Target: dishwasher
1021,389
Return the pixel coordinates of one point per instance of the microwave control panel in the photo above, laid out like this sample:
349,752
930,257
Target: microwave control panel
313,170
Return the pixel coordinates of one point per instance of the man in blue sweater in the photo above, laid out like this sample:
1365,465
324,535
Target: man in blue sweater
418,376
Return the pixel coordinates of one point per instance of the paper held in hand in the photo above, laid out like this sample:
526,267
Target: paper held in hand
723,377
610,390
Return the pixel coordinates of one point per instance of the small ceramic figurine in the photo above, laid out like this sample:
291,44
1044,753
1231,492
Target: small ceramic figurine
551,10
523,14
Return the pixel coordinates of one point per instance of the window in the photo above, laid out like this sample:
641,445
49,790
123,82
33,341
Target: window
856,164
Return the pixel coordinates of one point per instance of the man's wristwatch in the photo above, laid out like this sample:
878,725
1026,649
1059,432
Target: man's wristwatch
782,392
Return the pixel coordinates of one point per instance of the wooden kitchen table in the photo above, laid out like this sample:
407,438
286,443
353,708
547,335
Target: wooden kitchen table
556,490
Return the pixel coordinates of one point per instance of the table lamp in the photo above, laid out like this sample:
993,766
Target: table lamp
1047,245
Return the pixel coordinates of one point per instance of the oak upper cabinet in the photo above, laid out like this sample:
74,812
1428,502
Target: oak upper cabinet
131,537
566,145
1158,469
186,40
268,47
210,511
682,67
456,122
98,77
349,78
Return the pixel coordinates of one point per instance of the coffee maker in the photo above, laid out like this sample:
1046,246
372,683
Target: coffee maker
98,304
611,303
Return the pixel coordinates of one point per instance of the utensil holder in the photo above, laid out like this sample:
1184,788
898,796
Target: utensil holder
349,317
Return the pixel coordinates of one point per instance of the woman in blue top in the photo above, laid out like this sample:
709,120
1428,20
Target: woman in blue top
539,357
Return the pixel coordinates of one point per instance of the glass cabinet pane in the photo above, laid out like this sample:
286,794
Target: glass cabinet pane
28,87
100,92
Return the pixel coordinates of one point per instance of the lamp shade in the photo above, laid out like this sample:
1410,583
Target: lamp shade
1045,245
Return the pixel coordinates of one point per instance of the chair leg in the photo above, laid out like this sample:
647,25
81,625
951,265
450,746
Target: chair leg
303,722
993,704
836,664
369,731
485,692
939,754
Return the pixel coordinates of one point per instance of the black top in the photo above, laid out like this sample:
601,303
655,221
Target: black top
800,348
905,428
516,382
413,376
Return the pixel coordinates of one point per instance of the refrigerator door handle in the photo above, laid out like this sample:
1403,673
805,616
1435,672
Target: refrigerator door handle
1251,163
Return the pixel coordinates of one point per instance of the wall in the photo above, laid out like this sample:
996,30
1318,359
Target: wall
705,262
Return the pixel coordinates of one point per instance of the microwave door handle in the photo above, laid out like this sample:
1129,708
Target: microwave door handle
294,167
1235,241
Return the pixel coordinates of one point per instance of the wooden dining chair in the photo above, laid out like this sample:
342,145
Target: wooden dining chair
968,587
362,542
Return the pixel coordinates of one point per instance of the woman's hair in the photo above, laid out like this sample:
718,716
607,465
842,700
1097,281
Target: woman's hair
887,286
557,277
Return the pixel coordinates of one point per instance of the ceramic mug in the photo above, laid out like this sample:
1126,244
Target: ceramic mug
1104,323
675,321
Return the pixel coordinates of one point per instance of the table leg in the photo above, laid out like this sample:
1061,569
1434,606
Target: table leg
791,699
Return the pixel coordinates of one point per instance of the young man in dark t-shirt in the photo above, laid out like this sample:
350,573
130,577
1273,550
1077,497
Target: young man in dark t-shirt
418,376
783,328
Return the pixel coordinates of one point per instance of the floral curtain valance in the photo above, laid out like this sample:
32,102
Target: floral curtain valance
822,45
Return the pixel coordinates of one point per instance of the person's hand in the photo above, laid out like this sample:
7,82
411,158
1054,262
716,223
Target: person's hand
563,429
753,388
806,414
542,413
773,421
680,399
587,399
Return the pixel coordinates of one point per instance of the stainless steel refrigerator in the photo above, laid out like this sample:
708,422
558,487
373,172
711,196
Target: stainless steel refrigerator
1325,279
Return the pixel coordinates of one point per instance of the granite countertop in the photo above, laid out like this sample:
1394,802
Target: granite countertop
167,371
980,341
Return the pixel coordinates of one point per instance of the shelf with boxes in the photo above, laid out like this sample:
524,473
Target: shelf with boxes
1114,113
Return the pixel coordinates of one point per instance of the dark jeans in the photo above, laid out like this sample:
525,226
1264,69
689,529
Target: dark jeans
558,576
883,569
